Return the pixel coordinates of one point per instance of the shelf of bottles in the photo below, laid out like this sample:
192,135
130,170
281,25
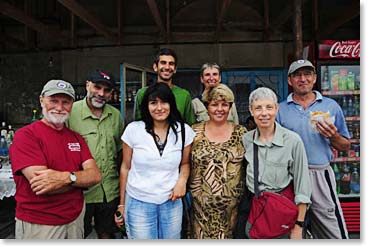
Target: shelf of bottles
342,83
131,89
6,139
132,79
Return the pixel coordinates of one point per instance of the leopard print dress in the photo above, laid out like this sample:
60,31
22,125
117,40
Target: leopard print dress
216,183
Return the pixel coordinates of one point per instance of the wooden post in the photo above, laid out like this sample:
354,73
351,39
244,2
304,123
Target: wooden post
168,22
72,30
297,29
120,22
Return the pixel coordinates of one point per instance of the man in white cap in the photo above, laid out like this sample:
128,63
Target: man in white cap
52,165
326,220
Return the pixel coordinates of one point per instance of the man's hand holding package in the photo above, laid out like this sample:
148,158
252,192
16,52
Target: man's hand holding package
326,129
324,124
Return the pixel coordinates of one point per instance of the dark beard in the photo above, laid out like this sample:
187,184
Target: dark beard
165,79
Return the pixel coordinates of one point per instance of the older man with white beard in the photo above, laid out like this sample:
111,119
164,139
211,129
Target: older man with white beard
101,126
52,165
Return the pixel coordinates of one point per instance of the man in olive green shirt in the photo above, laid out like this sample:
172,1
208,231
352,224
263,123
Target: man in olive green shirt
165,65
101,126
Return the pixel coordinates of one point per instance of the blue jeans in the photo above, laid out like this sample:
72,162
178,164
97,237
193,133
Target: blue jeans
146,220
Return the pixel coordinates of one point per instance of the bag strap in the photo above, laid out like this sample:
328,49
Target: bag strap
256,169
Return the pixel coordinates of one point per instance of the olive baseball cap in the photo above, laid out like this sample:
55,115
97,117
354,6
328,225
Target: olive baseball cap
299,64
57,86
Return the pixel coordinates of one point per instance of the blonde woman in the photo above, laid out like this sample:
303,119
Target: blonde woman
216,171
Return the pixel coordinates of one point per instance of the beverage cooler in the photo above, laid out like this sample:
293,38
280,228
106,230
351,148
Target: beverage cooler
339,78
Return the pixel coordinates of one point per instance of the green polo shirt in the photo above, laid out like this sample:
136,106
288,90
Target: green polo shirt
183,102
103,136
280,161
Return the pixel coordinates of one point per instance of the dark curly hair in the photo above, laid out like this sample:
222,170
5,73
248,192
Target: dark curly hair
163,92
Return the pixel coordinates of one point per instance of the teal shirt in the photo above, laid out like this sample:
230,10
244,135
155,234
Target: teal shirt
103,136
183,102
281,161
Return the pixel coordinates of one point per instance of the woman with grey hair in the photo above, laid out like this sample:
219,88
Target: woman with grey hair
216,181
281,157
210,76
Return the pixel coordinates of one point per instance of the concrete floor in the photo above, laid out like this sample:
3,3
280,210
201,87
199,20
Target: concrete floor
93,235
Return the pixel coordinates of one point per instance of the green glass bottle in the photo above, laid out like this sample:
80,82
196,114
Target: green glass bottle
122,228
337,176
34,118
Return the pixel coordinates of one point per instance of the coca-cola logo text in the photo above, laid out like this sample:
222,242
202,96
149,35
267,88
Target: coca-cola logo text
339,49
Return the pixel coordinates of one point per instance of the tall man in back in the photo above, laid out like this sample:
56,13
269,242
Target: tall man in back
51,165
326,218
101,126
165,64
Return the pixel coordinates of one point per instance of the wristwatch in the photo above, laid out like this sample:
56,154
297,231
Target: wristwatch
72,178
300,223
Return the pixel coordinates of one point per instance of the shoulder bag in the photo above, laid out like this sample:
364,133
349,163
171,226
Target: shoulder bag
272,214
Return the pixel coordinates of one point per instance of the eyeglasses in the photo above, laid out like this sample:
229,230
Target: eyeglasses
307,74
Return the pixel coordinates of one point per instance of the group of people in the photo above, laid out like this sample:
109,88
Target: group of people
78,165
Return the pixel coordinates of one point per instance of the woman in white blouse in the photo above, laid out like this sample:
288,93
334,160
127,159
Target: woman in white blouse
155,168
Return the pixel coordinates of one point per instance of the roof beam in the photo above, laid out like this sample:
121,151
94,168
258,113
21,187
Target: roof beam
29,34
11,41
287,12
157,17
266,20
120,20
91,20
345,15
72,30
283,16
223,12
19,15
168,21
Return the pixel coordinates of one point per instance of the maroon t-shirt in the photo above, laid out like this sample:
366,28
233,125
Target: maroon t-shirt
40,145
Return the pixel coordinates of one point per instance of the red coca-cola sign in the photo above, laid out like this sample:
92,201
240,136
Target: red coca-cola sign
336,49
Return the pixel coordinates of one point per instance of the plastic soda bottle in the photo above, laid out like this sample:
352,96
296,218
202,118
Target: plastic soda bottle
345,179
350,80
354,181
3,129
345,106
343,79
350,108
325,85
3,147
356,105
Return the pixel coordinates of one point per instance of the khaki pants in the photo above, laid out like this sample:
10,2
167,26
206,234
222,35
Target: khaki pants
73,230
